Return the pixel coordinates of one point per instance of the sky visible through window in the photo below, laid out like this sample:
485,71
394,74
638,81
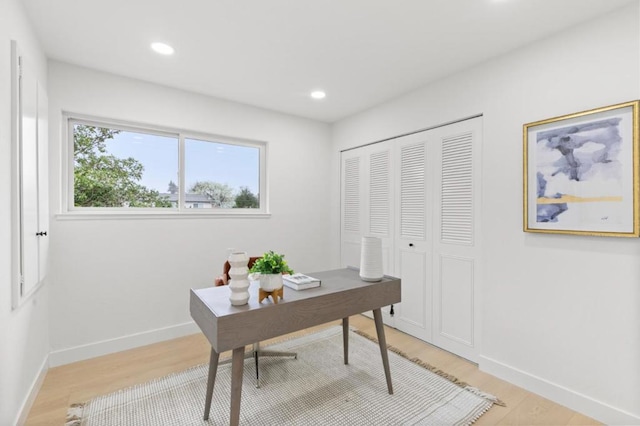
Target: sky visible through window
234,165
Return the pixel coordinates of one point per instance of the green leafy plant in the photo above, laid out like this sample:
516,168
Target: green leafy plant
101,179
271,263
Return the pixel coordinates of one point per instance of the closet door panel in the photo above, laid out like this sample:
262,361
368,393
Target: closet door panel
367,205
413,241
455,287
43,182
352,198
351,209
456,242
29,181
379,200
379,193
411,315
413,191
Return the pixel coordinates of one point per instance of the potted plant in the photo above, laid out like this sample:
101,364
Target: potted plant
268,270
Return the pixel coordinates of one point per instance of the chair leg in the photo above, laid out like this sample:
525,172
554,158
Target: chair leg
256,353
278,353
261,352
255,357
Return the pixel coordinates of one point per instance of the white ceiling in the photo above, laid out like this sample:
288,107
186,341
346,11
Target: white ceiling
272,53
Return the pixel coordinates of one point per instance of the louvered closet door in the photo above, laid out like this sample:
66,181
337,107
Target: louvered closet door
367,197
351,207
379,218
456,243
413,236
420,195
379,206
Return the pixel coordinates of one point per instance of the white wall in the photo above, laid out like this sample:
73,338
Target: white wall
24,335
124,277
560,314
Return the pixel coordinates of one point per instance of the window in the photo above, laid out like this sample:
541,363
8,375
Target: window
227,175
127,168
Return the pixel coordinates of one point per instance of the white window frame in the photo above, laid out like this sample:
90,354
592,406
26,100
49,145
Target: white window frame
70,211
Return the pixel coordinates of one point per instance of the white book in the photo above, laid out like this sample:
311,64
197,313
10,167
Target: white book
300,281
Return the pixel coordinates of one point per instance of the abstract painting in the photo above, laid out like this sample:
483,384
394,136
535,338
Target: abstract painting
581,173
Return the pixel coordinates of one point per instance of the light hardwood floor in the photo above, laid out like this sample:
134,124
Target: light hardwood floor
84,380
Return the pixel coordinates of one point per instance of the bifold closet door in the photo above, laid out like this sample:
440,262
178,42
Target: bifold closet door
413,235
421,195
351,207
456,262
367,204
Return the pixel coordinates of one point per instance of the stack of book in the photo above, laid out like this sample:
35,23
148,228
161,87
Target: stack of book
300,281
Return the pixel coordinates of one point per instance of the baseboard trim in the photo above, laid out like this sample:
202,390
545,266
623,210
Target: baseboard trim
574,400
105,347
33,393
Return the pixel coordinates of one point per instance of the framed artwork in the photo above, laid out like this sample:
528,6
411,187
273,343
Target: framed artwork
581,173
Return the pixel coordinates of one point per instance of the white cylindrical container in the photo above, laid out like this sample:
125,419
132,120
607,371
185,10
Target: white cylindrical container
270,282
371,259
238,283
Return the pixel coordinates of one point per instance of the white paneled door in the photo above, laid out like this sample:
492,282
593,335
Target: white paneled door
456,225
29,104
413,240
420,194
351,214
367,203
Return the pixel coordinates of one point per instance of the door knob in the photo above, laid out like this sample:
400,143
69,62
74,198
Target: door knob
41,234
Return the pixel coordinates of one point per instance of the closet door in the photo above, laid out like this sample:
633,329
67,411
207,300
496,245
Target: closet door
456,243
43,183
30,215
28,175
420,194
379,217
351,207
366,205
413,238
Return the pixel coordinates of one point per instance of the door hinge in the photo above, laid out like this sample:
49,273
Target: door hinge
19,66
391,311
21,286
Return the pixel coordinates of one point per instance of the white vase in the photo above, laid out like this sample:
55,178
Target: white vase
238,283
371,259
270,282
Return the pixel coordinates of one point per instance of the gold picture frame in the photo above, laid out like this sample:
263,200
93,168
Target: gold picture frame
581,173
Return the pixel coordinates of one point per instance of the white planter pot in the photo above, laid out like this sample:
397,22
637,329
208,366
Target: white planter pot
270,282
238,283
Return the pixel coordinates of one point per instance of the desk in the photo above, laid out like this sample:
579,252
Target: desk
228,327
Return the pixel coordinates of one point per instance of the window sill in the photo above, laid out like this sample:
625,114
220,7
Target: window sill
119,215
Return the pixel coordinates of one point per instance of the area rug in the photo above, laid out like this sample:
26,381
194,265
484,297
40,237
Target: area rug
315,389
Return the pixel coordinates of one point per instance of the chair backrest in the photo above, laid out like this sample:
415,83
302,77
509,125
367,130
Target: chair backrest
227,266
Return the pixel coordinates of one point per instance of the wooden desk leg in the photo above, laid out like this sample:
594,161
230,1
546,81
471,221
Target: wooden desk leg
213,369
377,317
237,365
345,339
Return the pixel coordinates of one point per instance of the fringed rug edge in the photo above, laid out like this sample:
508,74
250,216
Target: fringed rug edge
491,398
74,414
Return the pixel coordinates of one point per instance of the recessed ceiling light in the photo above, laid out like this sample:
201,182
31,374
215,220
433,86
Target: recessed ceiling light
318,94
162,48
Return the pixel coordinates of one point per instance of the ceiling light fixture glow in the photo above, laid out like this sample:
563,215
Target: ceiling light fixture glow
162,48
318,94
